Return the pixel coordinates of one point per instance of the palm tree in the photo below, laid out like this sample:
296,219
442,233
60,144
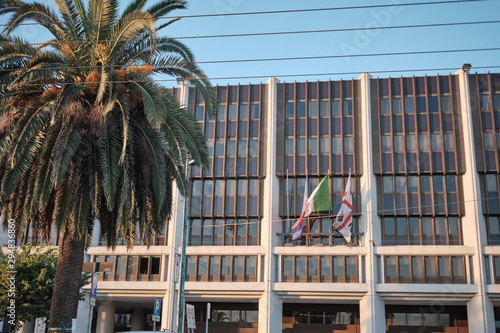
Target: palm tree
86,132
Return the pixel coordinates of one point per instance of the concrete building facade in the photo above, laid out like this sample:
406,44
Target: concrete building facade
424,157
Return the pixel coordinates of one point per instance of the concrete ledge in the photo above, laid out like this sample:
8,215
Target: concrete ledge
402,250
441,293
320,291
318,251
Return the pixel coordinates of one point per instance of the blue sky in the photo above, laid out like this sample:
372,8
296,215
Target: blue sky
332,43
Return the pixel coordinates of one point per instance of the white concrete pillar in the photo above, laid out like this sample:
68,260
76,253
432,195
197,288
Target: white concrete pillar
371,307
96,233
371,314
138,321
175,236
480,309
106,317
270,306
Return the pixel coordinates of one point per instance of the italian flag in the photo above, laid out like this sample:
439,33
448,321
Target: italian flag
319,200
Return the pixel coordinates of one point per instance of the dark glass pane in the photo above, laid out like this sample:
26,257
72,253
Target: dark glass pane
434,120
397,124
410,123
486,120
348,128
301,127
433,104
422,122
385,124
447,122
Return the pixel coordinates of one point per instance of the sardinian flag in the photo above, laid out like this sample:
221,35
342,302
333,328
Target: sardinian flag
343,223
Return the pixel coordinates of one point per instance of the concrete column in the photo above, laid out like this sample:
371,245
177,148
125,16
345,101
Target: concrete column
371,314
138,322
270,313
106,317
270,306
371,307
480,309
170,300
96,232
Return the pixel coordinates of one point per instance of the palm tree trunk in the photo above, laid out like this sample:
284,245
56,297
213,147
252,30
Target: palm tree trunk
67,282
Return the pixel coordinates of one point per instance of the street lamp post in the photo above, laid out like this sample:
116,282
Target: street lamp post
180,311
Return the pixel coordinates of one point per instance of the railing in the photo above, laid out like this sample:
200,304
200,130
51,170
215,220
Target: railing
317,239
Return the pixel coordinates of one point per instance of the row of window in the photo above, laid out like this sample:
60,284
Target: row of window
221,268
341,269
413,86
315,144
229,232
131,268
235,138
422,231
232,197
417,131
419,319
324,317
318,127
424,269
420,195
485,102
234,316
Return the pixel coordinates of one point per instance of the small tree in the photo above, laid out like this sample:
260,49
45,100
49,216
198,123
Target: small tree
32,271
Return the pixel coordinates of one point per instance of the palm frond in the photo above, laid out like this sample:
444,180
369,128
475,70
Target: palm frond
13,175
29,126
156,149
187,132
154,105
108,149
44,186
22,12
129,27
65,147
65,196
82,205
133,6
101,15
164,7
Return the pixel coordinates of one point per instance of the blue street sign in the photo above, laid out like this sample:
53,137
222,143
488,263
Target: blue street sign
157,308
93,289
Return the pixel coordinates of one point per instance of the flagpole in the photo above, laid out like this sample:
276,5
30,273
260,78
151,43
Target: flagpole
286,203
330,216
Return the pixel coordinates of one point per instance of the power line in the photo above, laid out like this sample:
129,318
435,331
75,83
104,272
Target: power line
279,33
277,75
282,58
336,30
290,11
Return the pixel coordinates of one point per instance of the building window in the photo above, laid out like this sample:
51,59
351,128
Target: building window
420,195
341,269
319,132
230,232
131,268
422,231
424,269
221,268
